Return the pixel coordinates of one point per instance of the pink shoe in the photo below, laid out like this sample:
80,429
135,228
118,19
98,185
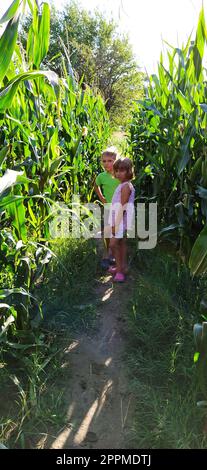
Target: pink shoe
112,270
119,277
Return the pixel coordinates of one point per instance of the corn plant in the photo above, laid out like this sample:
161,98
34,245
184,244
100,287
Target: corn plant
52,130
200,357
168,138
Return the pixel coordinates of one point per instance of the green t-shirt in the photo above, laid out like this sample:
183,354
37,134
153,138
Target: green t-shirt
108,184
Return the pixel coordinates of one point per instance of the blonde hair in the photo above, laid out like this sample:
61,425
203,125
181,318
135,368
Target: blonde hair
124,164
110,152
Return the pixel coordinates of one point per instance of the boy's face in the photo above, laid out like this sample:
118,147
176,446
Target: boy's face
107,163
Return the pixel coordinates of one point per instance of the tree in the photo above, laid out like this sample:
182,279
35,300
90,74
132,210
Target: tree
99,54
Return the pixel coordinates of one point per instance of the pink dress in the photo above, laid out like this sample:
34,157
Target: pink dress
128,215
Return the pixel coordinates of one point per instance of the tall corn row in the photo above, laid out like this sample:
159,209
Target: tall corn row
168,137
44,156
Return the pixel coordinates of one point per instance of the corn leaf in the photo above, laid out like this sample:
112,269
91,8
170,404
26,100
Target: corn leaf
198,256
184,102
39,34
11,178
10,13
7,45
16,290
3,154
16,211
198,49
203,107
197,332
185,151
44,31
5,201
7,94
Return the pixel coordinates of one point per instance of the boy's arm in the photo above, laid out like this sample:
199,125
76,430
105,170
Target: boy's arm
99,193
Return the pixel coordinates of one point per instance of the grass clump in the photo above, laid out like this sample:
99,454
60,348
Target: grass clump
32,384
163,311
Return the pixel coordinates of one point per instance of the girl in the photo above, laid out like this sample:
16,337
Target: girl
121,214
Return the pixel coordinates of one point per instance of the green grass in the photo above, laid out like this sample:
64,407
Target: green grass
163,377
32,383
67,294
160,353
32,394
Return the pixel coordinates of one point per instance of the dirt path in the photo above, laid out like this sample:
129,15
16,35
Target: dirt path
99,403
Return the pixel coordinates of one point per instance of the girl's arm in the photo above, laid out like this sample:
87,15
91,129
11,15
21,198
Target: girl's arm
125,193
99,193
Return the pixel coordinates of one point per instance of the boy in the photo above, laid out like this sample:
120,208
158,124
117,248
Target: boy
104,187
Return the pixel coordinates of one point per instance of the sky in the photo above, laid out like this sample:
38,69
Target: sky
147,23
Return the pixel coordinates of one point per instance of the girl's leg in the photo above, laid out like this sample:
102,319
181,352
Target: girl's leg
123,254
115,248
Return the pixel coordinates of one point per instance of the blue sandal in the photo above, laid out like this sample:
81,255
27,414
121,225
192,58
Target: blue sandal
105,263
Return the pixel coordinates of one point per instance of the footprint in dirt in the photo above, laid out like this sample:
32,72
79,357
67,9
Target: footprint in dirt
97,369
91,437
83,384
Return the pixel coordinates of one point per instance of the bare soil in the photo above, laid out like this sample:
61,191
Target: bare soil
99,404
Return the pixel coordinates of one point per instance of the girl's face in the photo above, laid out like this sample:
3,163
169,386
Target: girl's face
121,174
107,163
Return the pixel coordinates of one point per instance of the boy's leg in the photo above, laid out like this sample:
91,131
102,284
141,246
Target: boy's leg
108,251
106,247
105,262
105,257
